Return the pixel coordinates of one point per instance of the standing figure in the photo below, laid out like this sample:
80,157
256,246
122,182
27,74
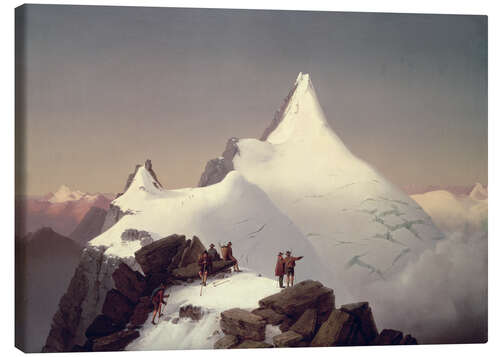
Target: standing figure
205,264
290,268
227,254
157,298
279,271
212,253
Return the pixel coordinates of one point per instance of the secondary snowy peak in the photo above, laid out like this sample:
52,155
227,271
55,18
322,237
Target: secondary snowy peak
65,194
479,192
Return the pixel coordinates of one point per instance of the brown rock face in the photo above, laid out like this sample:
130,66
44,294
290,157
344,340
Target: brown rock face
117,307
287,339
253,344
157,256
388,337
297,299
192,312
363,317
306,324
228,341
217,169
270,316
115,342
191,271
102,326
244,324
129,283
141,312
193,249
409,340
336,331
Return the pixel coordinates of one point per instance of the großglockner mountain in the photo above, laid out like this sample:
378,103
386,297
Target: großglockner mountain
298,188
363,227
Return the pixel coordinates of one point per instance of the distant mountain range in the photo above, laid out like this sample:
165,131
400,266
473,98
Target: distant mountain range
62,210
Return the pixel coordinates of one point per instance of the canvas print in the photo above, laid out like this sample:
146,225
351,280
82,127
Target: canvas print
228,179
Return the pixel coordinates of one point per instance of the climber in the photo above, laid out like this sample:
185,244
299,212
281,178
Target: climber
157,298
205,264
213,254
290,267
279,271
227,254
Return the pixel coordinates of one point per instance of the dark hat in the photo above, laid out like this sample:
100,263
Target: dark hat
280,253
288,252
229,243
212,245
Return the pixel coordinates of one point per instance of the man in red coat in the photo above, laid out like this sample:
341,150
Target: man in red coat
280,269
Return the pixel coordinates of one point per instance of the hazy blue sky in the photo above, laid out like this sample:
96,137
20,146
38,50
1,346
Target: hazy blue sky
108,87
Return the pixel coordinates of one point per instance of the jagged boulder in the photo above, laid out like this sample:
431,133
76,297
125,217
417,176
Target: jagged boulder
409,340
115,342
192,312
270,316
388,337
157,256
295,300
287,339
306,324
244,324
133,234
141,312
286,324
218,168
363,317
228,341
192,250
129,283
191,271
117,307
102,326
336,331
253,344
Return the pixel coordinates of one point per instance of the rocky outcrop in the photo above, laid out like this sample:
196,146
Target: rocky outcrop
253,344
296,300
141,312
243,324
113,215
270,316
228,341
192,250
115,342
82,301
191,271
102,326
149,166
129,283
389,337
130,235
117,307
306,324
157,256
336,331
218,168
90,226
362,314
287,339
191,312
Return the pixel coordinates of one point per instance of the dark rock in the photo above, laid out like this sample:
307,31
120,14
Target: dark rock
270,316
115,342
409,340
228,341
102,326
192,250
117,307
129,283
113,215
217,169
157,256
363,316
149,166
141,312
253,344
306,324
286,324
175,320
191,271
190,311
90,226
287,339
244,324
336,331
295,300
130,235
388,337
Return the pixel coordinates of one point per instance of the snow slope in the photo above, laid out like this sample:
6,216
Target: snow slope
362,226
232,210
242,290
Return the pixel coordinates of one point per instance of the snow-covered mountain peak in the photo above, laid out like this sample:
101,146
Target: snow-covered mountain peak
64,194
479,193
